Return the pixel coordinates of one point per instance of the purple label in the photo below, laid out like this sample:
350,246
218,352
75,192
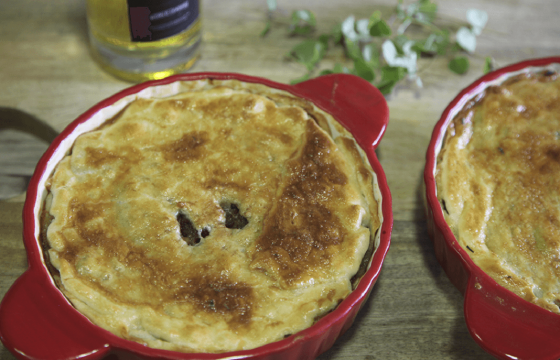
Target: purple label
152,20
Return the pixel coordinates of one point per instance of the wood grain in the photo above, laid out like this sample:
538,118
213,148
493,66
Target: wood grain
414,311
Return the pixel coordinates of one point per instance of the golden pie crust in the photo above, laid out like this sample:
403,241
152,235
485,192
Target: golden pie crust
498,180
221,218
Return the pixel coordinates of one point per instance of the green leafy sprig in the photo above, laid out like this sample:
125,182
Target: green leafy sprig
382,50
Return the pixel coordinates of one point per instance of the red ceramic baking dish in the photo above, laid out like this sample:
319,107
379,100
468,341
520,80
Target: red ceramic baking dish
37,322
502,323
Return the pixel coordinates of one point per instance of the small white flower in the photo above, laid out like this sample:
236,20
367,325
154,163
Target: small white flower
303,15
407,61
389,51
466,39
477,19
407,47
362,27
271,5
348,28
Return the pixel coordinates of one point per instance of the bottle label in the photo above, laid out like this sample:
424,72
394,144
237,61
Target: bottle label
152,20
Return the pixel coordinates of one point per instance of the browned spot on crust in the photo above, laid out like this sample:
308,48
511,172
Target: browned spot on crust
189,147
218,294
550,162
226,107
83,215
301,230
495,90
278,134
203,287
223,178
97,157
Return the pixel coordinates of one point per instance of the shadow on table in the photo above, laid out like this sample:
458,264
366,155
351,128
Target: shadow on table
463,346
15,119
19,150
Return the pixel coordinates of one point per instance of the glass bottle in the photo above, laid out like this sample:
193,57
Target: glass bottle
138,40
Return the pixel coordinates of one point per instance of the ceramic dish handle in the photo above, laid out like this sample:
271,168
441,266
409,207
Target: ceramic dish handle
54,332
503,324
350,97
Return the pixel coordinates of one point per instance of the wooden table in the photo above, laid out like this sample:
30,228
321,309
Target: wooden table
414,311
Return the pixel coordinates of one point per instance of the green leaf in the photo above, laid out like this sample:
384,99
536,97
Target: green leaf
364,70
301,79
459,65
405,24
324,39
455,48
427,10
488,65
426,47
305,16
309,52
387,87
371,55
390,76
338,69
399,42
401,13
336,33
266,28
435,44
303,22
374,17
352,49
380,28
442,41
392,73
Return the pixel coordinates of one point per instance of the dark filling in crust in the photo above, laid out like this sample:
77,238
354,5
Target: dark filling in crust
234,219
189,232
193,236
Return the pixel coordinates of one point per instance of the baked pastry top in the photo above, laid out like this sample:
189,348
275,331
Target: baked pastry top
498,181
223,218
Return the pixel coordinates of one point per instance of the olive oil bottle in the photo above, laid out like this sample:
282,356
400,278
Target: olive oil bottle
138,40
